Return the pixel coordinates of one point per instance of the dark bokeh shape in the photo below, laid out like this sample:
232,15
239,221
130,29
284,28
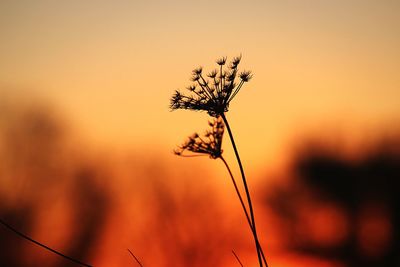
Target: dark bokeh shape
34,167
91,205
373,180
20,219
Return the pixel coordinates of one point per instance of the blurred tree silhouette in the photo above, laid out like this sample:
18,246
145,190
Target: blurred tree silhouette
37,171
359,201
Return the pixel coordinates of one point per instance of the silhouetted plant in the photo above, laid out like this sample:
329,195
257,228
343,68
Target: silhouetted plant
209,144
214,97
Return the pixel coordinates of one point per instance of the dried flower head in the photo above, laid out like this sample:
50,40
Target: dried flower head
214,95
208,144
221,61
245,75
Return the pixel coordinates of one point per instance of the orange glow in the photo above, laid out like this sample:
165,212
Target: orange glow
375,232
326,225
86,135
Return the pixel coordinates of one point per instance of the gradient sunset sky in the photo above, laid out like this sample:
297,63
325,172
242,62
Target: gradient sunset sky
111,66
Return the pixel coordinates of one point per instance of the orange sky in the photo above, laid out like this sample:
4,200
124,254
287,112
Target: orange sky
111,66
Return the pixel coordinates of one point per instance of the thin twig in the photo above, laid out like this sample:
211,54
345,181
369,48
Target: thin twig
9,227
258,246
237,258
136,259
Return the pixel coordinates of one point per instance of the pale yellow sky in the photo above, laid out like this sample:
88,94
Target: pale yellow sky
111,66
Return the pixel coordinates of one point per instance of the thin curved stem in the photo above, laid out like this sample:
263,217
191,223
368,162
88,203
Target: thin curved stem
136,259
9,227
238,192
259,248
243,206
237,258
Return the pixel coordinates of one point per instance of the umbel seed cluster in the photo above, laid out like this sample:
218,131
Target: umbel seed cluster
210,143
212,92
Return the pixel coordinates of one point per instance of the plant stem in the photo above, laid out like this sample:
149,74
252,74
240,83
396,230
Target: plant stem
136,259
237,258
9,227
243,206
258,247
237,192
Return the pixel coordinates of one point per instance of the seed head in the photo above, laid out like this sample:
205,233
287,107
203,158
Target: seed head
191,88
212,96
208,144
176,100
213,74
245,76
195,78
235,62
198,71
221,61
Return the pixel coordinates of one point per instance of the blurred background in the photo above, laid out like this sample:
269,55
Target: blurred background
86,135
